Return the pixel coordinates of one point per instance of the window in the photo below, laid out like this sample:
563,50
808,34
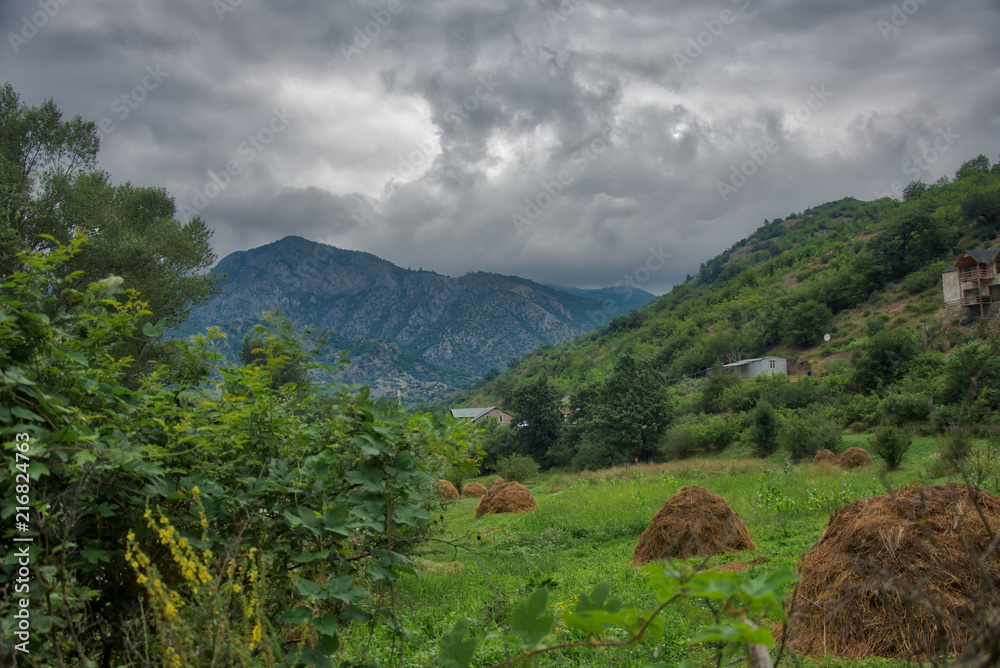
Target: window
772,364
500,418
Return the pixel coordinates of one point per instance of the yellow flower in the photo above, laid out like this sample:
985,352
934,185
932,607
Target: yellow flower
196,490
141,579
237,588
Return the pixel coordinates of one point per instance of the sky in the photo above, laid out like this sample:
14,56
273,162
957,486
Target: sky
578,143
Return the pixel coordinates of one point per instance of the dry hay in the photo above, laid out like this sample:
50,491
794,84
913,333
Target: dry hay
825,455
474,490
446,490
907,574
855,458
498,481
740,566
693,522
506,497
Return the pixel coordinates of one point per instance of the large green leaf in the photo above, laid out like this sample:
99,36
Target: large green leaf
457,650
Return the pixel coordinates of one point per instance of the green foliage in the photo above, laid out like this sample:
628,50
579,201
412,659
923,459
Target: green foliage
901,407
599,619
51,190
517,468
218,454
806,322
803,435
884,359
763,432
891,442
536,409
633,411
716,382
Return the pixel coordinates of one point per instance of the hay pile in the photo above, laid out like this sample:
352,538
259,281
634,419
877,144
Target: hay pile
902,575
474,491
855,458
446,490
825,455
693,522
506,497
498,481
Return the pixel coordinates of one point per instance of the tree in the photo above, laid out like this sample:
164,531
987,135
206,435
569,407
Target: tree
536,409
983,208
634,409
716,382
884,359
914,189
978,165
763,431
806,322
51,191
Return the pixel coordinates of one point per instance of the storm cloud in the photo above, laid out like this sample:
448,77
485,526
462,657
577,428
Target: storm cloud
560,141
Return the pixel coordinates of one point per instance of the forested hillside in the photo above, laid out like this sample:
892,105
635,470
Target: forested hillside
866,273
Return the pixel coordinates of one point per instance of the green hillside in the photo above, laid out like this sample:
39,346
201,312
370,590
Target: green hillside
848,268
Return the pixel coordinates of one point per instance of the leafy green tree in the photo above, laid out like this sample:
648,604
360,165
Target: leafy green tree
982,207
978,165
716,382
803,435
51,191
884,359
634,409
890,442
763,431
535,406
806,322
911,239
913,190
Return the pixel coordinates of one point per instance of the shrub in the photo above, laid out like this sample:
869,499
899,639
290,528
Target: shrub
904,407
890,442
680,442
517,468
802,436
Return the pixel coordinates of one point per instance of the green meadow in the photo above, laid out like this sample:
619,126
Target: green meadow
584,532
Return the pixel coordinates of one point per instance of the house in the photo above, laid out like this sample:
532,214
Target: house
475,414
756,366
972,286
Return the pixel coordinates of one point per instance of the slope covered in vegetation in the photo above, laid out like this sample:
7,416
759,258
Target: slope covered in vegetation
867,273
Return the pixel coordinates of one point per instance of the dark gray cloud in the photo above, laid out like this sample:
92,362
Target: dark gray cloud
563,141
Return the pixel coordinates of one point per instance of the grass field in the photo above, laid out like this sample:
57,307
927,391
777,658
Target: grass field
584,532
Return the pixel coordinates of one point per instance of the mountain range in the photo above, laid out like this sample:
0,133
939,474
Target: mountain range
417,333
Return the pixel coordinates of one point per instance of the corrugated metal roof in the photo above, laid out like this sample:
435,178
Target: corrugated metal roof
742,362
470,413
951,268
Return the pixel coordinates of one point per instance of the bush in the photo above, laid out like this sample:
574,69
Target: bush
904,407
680,442
802,436
517,468
890,443
594,454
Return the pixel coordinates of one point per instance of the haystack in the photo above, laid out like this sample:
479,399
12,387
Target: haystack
903,575
498,481
693,522
825,455
446,490
506,497
855,458
474,491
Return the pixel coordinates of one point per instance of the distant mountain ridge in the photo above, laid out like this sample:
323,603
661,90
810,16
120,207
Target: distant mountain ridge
417,333
627,296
